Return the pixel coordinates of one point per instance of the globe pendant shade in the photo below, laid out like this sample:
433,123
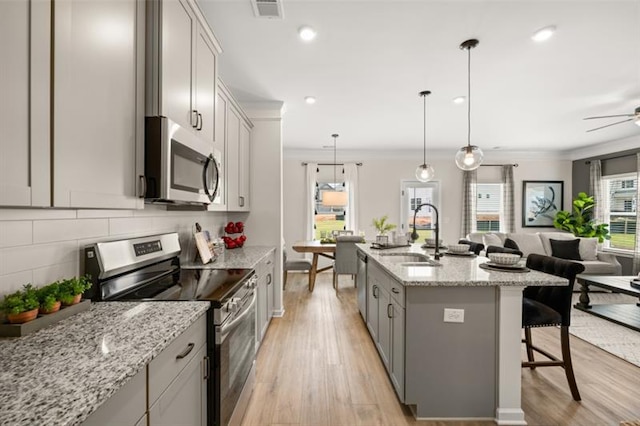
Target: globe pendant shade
424,172
469,157
334,198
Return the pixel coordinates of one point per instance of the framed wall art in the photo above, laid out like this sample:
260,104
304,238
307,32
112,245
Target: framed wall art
541,200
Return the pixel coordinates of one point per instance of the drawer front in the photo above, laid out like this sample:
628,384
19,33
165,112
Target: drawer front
172,360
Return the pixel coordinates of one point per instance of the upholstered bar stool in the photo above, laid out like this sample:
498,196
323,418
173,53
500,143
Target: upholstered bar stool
550,307
346,259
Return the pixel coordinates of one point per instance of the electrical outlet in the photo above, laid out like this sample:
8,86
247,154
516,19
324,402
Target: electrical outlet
453,315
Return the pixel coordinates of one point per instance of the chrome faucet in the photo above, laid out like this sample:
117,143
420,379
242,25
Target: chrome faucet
414,234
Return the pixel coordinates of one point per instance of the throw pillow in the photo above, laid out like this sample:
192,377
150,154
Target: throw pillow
566,249
509,243
491,240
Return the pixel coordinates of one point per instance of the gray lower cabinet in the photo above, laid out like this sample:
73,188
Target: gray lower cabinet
184,401
127,407
386,323
265,271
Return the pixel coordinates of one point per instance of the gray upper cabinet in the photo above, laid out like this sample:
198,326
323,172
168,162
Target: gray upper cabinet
237,145
25,40
98,103
182,66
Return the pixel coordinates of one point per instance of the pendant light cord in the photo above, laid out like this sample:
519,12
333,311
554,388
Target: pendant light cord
424,133
469,96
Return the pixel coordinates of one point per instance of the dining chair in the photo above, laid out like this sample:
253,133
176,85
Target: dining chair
346,259
550,306
474,247
294,265
345,232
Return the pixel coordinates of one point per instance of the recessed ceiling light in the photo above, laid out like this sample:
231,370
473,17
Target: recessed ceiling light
543,33
310,100
307,33
459,100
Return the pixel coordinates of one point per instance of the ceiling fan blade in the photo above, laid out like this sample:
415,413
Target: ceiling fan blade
609,116
609,125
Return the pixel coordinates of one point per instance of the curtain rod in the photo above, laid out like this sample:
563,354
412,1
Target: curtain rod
611,158
304,163
499,165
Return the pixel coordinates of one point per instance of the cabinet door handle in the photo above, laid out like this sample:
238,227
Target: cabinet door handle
395,290
269,279
142,187
186,352
206,367
199,122
375,293
194,112
241,201
390,310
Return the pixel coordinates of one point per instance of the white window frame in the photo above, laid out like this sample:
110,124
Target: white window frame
606,208
406,188
500,208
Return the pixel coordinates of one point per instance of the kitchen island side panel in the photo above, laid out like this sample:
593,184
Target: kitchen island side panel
451,367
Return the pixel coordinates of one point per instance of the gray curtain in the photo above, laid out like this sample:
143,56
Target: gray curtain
507,216
469,200
636,252
596,190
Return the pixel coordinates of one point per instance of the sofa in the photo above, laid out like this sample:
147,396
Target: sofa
546,243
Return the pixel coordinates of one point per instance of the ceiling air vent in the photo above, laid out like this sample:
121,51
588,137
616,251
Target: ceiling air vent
267,8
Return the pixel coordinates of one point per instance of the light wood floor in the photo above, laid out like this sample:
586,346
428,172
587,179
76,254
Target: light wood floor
318,365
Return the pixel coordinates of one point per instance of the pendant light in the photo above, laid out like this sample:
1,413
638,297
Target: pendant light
425,172
469,157
332,197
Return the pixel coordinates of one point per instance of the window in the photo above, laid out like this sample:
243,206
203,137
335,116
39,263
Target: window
413,194
488,207
620,210
328,219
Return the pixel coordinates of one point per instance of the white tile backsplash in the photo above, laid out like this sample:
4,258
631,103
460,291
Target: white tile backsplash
43,245
12,282
16,233
47,231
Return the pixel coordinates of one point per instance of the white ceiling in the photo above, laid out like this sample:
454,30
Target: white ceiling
371,58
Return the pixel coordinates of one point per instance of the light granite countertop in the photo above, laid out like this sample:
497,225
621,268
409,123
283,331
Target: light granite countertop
454,271
244,257
62,374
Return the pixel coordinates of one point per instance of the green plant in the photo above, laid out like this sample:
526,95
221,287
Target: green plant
72,287
580,221
382,226
20,301
49,295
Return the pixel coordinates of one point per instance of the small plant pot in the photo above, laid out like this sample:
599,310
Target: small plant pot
23,317
76,299
55,308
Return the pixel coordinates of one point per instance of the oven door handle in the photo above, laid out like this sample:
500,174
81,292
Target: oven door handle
223,331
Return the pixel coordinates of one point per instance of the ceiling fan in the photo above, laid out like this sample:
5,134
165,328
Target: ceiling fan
635,117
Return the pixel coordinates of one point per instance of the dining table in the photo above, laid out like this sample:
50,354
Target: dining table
318,249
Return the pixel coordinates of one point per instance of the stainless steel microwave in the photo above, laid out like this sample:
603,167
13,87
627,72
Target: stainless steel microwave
179,167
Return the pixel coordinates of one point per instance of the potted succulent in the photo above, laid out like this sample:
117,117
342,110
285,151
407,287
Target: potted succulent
71,290
21,306
49,298
382,226
580,221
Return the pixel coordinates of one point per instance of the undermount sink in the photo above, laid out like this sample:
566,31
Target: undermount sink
409,259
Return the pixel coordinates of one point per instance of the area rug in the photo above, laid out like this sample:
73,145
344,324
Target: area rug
613,338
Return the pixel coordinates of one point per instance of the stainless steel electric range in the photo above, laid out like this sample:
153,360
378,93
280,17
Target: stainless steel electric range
148,269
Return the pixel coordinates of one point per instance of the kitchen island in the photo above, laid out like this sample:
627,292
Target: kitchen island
63,374
449,333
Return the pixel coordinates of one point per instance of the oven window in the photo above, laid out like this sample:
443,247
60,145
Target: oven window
186,168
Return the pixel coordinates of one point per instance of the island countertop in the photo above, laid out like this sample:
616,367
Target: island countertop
62,374
454,270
